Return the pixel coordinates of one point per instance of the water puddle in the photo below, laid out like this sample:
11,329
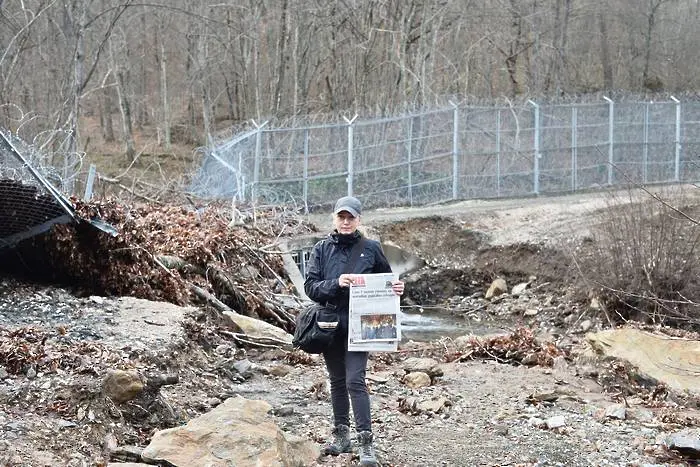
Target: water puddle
425,327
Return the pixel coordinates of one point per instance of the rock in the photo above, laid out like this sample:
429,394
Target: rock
97,299
3,372
257,328
377,378
685,443
433,405
31,373
546,396
279,370
519,288
214,401
424,365
127,454
416,380
618,412
651,354
284,411
109,445
498,287
65,423
530,312
244,368
585,325
558,421
238,432
122,386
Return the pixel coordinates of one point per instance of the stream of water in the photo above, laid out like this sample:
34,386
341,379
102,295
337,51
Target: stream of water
424,327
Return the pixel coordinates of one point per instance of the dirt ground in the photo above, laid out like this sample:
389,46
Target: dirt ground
479,411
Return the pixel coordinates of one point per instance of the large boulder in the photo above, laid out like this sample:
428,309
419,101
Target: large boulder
238,432
670,360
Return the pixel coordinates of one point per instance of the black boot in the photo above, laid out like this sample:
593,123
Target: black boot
340,443
367,459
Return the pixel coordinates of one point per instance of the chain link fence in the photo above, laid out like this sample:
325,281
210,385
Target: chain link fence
29,202
457,153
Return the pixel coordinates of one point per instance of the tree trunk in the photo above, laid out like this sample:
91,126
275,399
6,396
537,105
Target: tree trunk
163,57
605,60
106,124
281,57
125,109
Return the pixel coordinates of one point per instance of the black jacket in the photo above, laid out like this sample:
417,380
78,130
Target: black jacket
327,262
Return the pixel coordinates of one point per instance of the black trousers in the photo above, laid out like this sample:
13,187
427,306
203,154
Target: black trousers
346,371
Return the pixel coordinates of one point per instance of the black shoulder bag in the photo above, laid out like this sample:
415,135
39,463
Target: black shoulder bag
316,324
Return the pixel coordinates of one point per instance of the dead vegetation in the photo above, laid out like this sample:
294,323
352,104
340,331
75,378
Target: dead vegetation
173,254
645,260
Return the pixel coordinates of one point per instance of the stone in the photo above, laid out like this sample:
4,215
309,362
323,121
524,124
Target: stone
558,421
618,412
519,288
498,287
279,370
244,367
257,328
686,443
127,454
416,380
214,401
284,411
238,432
122,386
585,325
424,365
433,405
651,354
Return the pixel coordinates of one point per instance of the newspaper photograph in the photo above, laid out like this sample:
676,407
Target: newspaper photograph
374,323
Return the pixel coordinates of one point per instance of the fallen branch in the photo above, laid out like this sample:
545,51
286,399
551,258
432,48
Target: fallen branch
266,342
116,182
210,299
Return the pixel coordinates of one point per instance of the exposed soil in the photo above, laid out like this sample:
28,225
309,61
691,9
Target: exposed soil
486,409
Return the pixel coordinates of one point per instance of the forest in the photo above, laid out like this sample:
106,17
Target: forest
94,73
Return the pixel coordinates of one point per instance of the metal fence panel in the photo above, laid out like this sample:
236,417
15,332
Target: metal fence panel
459,153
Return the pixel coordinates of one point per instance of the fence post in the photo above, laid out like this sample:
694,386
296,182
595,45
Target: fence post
409,155
574,143
351,158
536,148
677,165
498,153
455,151
645,150
611,138
258,157
90,182
306,173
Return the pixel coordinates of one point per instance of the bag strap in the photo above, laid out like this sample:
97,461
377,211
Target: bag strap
354,255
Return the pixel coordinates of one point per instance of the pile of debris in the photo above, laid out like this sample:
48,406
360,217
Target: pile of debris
175,254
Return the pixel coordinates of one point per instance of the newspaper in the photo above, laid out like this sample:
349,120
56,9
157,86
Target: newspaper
374,322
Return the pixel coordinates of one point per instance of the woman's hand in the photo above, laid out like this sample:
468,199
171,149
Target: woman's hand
346,280
397,287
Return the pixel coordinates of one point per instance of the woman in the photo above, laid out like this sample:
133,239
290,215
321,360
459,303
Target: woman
327,283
